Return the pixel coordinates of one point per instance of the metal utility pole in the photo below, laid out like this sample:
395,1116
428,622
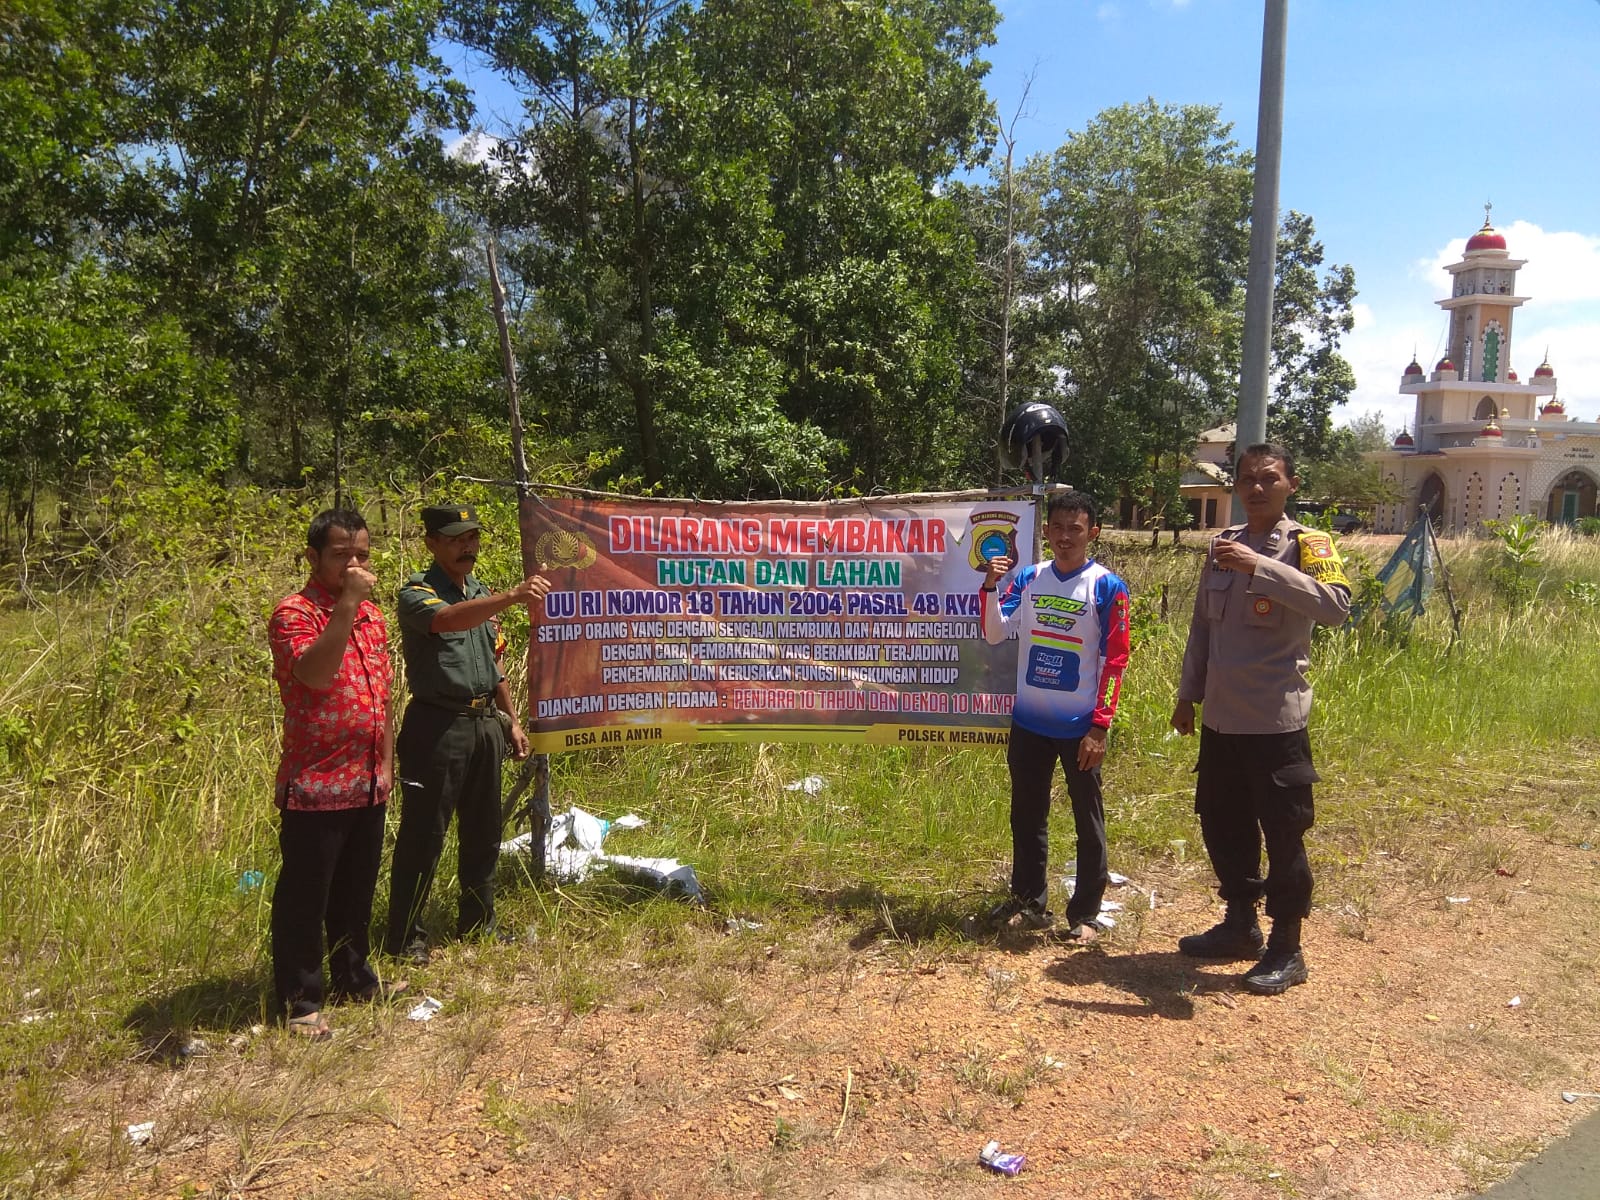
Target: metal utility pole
1256,361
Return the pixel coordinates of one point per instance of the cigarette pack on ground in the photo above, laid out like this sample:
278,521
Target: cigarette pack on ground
1007,1164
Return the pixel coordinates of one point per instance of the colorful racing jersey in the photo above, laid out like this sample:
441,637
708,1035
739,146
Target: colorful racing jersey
1072,645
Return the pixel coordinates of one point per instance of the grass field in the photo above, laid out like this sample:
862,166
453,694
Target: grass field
138,741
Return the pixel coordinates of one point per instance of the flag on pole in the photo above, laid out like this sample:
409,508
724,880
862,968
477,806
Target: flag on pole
1407,577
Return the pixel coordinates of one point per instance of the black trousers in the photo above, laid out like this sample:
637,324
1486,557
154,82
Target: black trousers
330,868
1032,760
1254,789
449,766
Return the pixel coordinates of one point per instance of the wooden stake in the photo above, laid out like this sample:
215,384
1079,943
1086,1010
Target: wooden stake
537,769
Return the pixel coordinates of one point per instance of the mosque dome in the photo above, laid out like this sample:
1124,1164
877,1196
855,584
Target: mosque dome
1555,408
1403,440
1486,239
1445,364
1544,370
1490,429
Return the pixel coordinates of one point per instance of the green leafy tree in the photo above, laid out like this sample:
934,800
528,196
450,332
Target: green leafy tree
1516,573
1310,313
271,138
387,349
86,376
1135,312
1341,474
1128,307
1366,432
1003,218
63,113
855,115
739,268
582,196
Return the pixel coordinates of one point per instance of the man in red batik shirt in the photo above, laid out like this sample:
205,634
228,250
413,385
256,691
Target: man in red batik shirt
330,656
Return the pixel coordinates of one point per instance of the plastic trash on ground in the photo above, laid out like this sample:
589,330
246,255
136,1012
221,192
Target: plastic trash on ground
1105,920
810,785
992,1157
574,850
665,874
425,1010
141,1133
1070,879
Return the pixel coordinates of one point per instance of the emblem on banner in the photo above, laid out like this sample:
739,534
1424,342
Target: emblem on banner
563,548
994,535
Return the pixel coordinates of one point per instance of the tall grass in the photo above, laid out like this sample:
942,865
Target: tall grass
138,741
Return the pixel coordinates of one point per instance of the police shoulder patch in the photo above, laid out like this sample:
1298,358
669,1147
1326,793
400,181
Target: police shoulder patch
1318,545
1319,558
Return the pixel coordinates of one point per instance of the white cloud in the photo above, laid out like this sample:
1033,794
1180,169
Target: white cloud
1378,351
1575,354
477,146
474,146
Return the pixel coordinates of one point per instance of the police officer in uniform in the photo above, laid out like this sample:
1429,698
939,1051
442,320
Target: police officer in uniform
455,731
1265,586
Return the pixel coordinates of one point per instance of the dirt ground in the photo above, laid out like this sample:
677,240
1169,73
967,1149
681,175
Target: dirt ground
1424,1059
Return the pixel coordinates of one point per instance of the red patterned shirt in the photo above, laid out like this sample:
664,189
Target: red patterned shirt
334,739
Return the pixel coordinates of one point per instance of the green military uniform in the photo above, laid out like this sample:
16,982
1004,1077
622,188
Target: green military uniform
450,748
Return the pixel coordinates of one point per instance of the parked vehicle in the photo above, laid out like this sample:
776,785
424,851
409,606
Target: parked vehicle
1342,521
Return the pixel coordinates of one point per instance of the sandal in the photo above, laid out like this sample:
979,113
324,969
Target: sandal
312,1026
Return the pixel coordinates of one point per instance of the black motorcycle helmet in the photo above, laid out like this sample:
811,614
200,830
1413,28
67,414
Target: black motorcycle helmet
1029,427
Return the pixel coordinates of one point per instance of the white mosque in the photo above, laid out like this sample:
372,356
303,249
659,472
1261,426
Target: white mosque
1484,445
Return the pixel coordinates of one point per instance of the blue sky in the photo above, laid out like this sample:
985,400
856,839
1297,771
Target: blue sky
1401,118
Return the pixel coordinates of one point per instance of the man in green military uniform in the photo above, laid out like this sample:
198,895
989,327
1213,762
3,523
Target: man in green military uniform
451,740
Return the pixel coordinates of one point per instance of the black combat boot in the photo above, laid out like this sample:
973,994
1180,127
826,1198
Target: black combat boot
1238,936
1282,966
